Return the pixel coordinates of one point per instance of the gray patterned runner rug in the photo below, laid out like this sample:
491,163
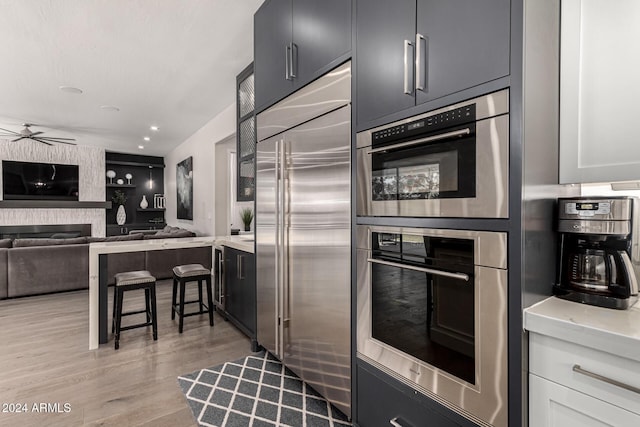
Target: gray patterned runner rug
256,391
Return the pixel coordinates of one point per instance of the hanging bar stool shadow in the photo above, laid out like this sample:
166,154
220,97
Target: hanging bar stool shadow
129,281
191,273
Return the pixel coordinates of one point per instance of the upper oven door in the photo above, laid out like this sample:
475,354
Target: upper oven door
457,171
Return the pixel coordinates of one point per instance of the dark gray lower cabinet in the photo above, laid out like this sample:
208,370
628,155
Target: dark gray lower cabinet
381,399
240,291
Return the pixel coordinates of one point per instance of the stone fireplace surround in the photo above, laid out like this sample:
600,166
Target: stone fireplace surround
91,162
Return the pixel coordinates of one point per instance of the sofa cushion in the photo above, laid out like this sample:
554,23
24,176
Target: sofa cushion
6,243
122,238
24,243
170,235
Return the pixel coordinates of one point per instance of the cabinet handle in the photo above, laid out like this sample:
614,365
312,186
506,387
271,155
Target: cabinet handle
239,265
408,68
286,62
293,60
421,79
395,422
578,369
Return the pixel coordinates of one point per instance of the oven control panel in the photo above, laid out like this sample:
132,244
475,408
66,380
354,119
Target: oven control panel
457,116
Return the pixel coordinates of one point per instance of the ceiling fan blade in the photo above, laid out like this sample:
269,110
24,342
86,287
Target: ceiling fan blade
18,139
10,131
53,138
36,133
47,140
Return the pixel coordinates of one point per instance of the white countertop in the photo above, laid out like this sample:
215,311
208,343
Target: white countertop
242,242
148,245
604,329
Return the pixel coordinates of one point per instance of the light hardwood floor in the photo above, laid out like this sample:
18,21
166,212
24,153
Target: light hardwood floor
44,358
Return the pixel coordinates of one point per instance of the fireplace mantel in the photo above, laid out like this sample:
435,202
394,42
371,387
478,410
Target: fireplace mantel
52,204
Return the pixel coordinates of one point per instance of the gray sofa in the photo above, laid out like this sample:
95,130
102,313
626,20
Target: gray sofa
39,266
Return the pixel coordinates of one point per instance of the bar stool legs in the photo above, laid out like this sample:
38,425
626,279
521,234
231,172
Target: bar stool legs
191,273
126,282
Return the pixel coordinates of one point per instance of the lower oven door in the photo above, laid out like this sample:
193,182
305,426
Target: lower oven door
432,312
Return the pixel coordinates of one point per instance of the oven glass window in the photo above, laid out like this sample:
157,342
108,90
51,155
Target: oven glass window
428,316
430,171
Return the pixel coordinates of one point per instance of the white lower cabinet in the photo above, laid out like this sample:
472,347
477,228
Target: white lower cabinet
571,385
554,405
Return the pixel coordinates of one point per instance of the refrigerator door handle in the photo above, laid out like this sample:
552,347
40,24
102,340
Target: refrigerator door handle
285,209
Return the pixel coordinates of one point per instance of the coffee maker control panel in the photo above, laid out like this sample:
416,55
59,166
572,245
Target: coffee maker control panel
595,208
588,209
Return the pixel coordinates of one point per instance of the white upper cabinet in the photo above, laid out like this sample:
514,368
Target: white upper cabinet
600,91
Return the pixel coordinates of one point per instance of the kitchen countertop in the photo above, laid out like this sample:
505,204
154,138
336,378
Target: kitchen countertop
604,329
242,242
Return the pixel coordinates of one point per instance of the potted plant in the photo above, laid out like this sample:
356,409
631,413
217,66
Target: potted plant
246,215
119,198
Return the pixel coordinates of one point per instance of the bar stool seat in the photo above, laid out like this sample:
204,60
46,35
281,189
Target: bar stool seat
183,274
128,281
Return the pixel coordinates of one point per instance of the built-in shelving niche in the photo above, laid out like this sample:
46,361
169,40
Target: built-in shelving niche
147,179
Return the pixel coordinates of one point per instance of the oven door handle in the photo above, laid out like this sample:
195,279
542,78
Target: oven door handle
452,134
460,276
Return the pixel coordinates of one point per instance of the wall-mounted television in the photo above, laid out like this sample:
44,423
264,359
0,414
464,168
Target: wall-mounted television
39,181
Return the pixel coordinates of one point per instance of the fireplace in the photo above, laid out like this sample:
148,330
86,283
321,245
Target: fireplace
62,231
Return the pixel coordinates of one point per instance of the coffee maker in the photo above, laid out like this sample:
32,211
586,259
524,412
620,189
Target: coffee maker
598,251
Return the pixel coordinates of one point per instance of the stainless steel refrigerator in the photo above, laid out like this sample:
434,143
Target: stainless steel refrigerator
303,222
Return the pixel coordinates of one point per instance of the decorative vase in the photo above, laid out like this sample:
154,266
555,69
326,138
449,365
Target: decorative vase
247,227
121,215
143,203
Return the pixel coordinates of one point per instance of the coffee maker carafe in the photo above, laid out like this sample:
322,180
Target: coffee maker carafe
598,255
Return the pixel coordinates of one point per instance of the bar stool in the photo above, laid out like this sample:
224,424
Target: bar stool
190,273
129,281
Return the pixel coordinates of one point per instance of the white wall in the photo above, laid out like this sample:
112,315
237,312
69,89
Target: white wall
91,183
201,146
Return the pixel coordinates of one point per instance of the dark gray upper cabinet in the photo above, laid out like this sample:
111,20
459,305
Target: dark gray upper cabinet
467,44
272,36
321,33
412,51
294,43
381,30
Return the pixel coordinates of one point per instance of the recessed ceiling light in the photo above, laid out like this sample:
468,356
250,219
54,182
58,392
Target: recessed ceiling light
146,138
109,108
141,147
71,89
154,128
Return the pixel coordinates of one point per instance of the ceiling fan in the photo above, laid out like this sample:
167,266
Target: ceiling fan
26,133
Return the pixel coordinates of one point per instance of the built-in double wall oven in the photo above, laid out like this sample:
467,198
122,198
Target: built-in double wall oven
452,162
432,312
431,302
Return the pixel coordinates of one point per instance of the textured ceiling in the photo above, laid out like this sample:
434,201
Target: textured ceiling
169,63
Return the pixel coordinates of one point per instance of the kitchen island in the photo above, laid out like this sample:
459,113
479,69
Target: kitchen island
98,293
